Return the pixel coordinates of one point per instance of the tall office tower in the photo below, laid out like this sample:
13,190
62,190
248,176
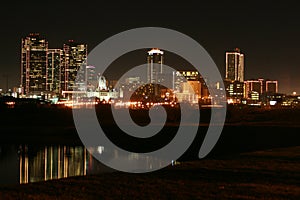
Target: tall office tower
91,78
34,64
155,66
74,65
55,58
235,65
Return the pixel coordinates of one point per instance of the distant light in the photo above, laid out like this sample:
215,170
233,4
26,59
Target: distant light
272,103
294,93
153,51
100,149
230,101
90,67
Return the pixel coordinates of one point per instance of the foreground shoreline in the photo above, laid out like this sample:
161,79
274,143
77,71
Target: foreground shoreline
256,157
268,174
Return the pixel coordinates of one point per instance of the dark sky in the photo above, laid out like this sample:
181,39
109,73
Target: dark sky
267,33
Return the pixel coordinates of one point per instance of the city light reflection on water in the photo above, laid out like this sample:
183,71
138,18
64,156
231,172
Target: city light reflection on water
32,163
52,162
21,164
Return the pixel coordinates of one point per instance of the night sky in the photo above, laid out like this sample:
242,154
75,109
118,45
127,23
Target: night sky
267,33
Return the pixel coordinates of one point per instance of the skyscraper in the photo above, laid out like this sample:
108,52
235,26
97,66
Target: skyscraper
91,78
155,66
34,64
75,55
55,58
235,65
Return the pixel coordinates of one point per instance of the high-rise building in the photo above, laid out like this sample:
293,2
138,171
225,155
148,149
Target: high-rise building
235,65
74,66
155,66
91,78
34,64
55,58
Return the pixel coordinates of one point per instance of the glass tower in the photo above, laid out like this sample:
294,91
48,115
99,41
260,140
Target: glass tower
55,57
74,64
34,64
235,65
155,66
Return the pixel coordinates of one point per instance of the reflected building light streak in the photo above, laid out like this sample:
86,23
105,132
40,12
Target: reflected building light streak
59,162
20,169
65,164
85,162
45,166
53,162
23,166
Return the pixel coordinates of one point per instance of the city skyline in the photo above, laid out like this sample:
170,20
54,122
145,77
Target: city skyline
55,74
235,51
266,32
52,72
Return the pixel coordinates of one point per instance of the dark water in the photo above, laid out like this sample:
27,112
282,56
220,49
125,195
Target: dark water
39,161
32,163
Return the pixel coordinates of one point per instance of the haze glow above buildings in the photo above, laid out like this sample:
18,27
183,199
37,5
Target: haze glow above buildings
267,32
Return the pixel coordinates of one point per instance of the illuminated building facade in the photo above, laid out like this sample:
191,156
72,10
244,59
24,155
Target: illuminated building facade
259,87
190,76
91,78
235,65
74,65
47,73
155,66
55,57
34,64
254,87
234,91
187,85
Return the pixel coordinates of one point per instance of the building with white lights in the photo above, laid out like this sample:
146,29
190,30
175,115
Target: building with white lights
74,66
47,73
91,78
235,65
258,87
254,87
55,58
187,86
234,91
155,66
34,64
